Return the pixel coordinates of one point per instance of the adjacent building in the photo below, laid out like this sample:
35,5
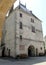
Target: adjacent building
45,45
22,33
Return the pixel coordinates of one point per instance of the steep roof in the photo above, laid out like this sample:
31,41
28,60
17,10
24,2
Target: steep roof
26,10
23,7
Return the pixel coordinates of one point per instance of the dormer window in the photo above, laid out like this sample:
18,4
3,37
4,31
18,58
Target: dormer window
32,20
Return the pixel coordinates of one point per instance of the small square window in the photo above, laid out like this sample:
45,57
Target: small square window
41,48
21,37
20,14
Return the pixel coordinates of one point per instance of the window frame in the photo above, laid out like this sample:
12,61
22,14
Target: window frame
20,37
21,27
33,29
21,15
32,20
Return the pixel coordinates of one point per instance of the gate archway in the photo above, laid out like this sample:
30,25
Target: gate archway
31,51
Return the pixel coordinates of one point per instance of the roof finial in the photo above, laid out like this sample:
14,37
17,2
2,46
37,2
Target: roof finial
25,4
19,4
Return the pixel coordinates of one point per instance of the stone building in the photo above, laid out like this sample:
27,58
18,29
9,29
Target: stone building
45,45
45,41
23,33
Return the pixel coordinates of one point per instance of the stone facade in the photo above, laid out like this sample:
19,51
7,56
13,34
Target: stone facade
45,41
23,31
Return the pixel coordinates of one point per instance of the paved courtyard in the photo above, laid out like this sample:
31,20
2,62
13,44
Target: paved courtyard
28,61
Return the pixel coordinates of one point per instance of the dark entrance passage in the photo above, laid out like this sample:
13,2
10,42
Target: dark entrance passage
9,53
31,51
36,52
3,52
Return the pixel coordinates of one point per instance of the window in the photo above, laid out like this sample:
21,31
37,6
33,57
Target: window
33,29
32,20
41,48
20,14
20,25
21,37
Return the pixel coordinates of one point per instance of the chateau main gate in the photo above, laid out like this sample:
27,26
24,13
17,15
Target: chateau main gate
31,51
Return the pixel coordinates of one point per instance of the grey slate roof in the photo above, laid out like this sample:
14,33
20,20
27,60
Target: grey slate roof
26,10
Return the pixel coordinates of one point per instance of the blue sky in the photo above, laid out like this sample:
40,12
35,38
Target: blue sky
38,8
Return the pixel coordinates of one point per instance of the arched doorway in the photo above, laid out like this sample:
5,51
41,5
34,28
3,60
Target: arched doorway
31,51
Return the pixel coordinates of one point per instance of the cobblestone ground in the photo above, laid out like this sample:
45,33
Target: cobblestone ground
28,61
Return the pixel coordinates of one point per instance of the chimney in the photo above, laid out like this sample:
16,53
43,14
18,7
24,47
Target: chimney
30,11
